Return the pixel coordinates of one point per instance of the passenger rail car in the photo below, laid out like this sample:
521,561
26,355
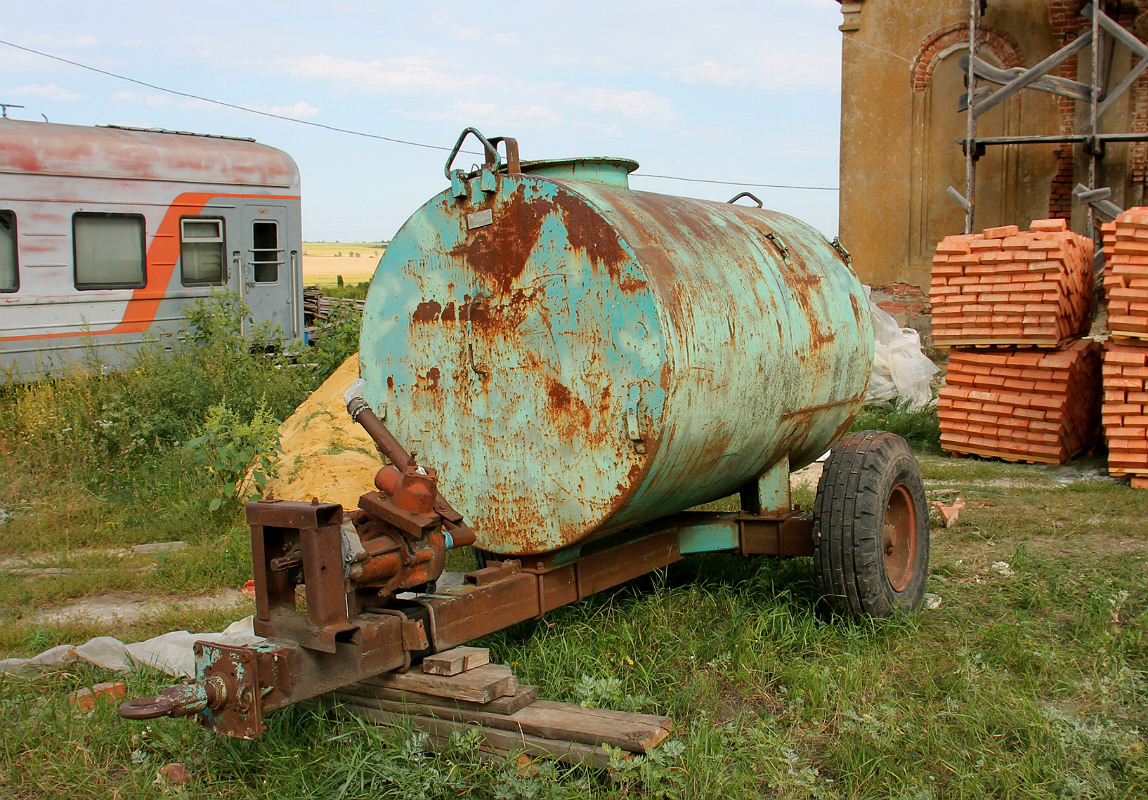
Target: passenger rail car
108,233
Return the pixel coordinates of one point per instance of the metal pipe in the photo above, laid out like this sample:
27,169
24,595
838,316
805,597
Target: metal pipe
971,120
361,412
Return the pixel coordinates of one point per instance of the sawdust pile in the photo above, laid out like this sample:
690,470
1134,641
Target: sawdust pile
325,454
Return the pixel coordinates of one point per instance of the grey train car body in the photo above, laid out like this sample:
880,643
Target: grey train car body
107,234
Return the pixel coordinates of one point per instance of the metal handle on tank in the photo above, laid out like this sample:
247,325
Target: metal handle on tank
492,158
752,197
513,165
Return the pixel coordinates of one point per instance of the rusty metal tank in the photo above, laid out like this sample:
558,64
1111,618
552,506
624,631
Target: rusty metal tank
576,357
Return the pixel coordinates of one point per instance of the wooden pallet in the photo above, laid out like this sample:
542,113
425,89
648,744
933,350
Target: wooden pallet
984,344
963,450
1128,337
509,717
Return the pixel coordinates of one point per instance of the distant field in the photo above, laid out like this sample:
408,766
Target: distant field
324,262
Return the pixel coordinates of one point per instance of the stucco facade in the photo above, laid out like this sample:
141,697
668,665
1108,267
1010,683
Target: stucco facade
901,82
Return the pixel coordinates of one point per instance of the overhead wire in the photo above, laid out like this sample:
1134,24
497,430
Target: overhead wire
364,134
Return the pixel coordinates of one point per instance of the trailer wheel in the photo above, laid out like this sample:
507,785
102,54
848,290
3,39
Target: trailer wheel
871,527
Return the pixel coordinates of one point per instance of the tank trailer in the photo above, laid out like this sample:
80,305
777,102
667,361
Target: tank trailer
557,367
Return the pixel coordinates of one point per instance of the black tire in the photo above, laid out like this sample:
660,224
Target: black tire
483,557
871,527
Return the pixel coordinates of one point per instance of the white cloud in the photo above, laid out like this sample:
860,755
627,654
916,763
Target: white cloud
477,34
157,100
51,40
641,104
715,74
45,92
392,75
497,98
491,114
134,97
299,110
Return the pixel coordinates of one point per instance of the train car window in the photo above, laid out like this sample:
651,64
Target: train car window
109,251
9,270
201,250
266,255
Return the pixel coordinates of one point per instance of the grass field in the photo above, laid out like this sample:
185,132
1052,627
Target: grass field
324,262
1030,680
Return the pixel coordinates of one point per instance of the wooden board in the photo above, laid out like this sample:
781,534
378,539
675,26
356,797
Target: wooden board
551,721
480,685
1049,344
1132,337
499,705
985,452
495,741
453,662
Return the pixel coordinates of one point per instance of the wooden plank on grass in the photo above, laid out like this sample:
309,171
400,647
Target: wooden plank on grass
524,696
493,741
552,721
456,660
479,685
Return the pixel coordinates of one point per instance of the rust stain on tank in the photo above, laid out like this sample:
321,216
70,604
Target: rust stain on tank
559,395
433,376
473,311
585,231
499,251
448,313
631,284
391,382
427,311
568,412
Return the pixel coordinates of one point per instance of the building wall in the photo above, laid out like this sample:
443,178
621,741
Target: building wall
899,122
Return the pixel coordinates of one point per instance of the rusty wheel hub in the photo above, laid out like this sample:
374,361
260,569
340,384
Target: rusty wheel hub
900,537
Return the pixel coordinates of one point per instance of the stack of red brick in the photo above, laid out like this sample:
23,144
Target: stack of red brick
1005,286
1125,407
1022,405
1126,274
1126,410
999,290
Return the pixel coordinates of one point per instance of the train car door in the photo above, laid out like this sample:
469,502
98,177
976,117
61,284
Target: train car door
266,272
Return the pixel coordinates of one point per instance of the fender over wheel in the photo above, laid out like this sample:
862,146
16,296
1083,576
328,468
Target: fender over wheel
871,527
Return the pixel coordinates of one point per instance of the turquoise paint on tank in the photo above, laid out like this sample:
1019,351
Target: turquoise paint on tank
576,358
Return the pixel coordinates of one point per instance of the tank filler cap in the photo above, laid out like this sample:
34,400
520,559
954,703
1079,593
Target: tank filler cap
605,170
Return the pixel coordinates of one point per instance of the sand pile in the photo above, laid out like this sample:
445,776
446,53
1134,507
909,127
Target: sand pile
325,454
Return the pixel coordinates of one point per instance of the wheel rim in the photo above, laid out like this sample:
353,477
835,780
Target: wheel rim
900,537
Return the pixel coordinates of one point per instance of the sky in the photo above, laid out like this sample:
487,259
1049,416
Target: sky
745,91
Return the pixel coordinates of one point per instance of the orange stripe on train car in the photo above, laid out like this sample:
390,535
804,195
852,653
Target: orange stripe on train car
162,256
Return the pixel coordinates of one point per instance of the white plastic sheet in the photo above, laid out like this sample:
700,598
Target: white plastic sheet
901,370
170,652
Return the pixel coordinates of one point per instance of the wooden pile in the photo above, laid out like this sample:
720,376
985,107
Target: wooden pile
317,307
1006,286
1126,274
1021,405
1125,410
460,690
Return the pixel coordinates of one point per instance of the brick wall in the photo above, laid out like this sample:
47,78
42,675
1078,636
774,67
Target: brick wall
1067,24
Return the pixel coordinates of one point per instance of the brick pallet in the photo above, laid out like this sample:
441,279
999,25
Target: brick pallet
1125,406
1126,274
1125,410
1021,405
1011,287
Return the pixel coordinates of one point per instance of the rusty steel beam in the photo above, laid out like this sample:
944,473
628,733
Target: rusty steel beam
337,642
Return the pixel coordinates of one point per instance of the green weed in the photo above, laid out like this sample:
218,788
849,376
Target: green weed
240,455
1030,681
920,428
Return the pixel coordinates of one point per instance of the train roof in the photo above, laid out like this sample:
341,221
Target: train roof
46,148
